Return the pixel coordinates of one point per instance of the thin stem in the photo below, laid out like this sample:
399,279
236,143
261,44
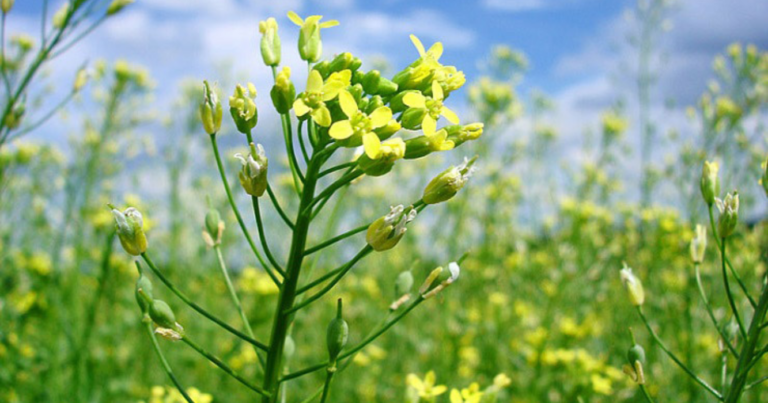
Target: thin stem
198,308
301,143
757,382
337,168
263,238
728,290
3,70
347,267
239,217
163,361
279,209
646,394
45,117
285,120
319,280
79,37
349,177
327,385
747,360
674,358
711,314
727,261
229,371
335,239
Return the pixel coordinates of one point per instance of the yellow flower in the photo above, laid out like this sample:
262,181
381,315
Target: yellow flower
435,108
313,100
310,46
426,387
472,394
360,124
601,384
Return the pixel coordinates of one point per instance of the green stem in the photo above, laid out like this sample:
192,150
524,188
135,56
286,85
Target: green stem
745,364
646,394
327,192
674,358
301,143
727,261
337,168
239,217
198,308
728,290
327,385
335,239
711,313
229,371
163,361
279,209
755,383
263,238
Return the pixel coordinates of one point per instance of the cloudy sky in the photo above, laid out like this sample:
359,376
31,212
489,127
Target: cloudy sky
577,48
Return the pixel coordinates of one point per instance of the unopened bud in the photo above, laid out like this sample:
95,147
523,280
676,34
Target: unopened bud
270,42
210,110
699,244
242,107
380,158
143,284
129,225
633,285
448,183
636,358
81,79
729,214
283,93
337,335
214,227
384,233
710,183
6,5
60,17
253,175
117,5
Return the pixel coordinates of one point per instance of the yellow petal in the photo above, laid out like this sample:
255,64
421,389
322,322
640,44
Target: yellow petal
322,116
436,50
413,381
328,24
380,116
414,100
417,43
429,125
437,91
439,390
348,104
295,18
314,82
341,130
372,145
300,107
456,397
450,115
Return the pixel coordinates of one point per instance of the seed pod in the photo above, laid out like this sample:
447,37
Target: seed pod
636,353
162,314
143,285
337,335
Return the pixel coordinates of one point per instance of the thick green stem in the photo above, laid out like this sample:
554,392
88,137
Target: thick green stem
727,261
738,384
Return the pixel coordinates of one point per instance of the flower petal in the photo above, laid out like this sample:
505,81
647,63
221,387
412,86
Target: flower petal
418,44
348,103
439,390
436,50
314,81
300,107
295,18
328,24
456,397
414,100
341,130
372,145
437,91
322,116
380,117
450,115
429,125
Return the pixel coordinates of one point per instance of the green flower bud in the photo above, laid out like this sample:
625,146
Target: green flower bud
81,79
14,118
337,335
764,179
6,5
389,151
162,314
412,118
386,87
417,147
130,229
633,285
699,244
242,107
384,233
388,130
403,284
270,42
210,110
374,102
636,358
341,62
397,104
460,134
729,214
143,286
636,354
118,5
710,183
324,68
253,175
371,81
448,183
61,16
283,93
213,228
310,44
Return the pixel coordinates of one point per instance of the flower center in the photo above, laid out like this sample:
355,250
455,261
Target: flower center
361,123
313,99
434,107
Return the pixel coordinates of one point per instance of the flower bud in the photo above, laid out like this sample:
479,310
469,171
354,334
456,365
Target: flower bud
371,81
162,314
699,244
764,179
386,87
60,16
389,130
213,228
337,335
310,44
460,134
636,353
388,152
412,117
636,358
447,184
81,79
117,5
384,233
729,214
210,110
417,147
242,107
270,42
342,61
253,175
283,93
14,118
710,183
633,285
130,229
143,285
6,5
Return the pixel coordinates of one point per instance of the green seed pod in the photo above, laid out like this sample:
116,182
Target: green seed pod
412,118
636,353
710,182
143,286
270,42
417,147
371,81
162,314
337,335
403,284
448,183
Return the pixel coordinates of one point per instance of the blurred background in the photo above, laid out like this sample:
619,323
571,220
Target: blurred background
598,116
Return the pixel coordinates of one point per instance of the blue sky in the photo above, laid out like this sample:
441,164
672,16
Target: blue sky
576,47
